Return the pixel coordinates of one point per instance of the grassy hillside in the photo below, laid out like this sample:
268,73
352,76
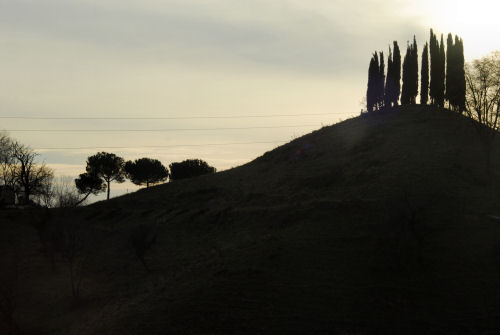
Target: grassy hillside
379,224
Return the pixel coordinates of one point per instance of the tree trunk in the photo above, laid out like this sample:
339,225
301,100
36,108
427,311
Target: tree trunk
108,189
83,199
26,195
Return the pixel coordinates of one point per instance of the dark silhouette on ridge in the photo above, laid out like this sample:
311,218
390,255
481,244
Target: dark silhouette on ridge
106,166
424,83
146,171
189,168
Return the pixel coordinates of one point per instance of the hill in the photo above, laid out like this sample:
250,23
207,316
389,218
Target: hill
384,223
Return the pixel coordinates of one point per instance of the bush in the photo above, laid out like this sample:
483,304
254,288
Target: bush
190,168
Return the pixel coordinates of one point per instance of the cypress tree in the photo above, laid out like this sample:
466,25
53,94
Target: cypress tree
424,88
414,71
405,92
441,75
450,72
410,74
396,78
389,86
434,68
371,93
381,82
460,74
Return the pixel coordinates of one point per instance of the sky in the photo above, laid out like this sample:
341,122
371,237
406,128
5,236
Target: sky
264,71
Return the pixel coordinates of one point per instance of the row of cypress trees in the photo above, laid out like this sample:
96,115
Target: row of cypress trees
442,78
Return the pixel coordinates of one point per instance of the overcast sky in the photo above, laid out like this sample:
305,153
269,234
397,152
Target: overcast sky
167,58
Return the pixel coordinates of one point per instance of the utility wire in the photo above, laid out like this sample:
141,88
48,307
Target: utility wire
152,130
159,146
162,118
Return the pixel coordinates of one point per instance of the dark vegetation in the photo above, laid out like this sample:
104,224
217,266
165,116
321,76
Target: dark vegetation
447,76
190,168
106,166
146,171
384,223
26,182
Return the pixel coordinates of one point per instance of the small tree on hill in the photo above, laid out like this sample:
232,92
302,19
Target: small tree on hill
106,166
146,171
189,168
88,184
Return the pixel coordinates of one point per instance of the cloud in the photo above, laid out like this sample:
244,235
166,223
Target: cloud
327,38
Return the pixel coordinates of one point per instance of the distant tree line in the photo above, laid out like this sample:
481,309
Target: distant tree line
442,75
25,181
104,168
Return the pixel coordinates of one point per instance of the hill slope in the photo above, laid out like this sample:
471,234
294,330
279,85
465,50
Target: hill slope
380,223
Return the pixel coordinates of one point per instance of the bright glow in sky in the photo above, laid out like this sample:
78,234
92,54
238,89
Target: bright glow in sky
477,22
169,58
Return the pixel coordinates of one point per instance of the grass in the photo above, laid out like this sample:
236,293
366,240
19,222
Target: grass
378,224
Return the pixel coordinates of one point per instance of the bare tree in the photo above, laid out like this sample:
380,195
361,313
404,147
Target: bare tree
483,101
65,193
7,166
483,90
30,177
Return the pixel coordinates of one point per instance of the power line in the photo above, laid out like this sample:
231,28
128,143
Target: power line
159,146
153,130
163,118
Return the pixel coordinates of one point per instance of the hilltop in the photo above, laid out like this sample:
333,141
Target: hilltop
381,223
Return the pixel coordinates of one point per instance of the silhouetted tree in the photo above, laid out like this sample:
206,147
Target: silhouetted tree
438,59
451,72
460,76
371,93
414,72
405,92
189,168
410,74
483,90
396,77
7,163
146,171
389,84
88,184
455,76
434,58
30,178
381,82
106,166
442,76
424,86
